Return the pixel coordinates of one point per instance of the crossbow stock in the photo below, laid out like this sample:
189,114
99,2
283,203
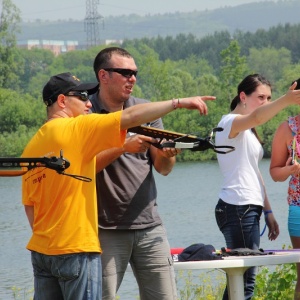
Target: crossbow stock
170,139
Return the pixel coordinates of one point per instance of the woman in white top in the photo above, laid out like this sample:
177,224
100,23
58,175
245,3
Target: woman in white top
243,197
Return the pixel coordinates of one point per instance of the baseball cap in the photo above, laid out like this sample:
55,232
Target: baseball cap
64,83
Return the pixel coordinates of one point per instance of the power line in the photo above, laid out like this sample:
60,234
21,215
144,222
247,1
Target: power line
91,23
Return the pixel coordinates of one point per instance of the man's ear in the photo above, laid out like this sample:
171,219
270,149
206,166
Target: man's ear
103,75
61,100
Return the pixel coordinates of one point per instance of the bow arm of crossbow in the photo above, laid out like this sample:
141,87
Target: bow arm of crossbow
9,165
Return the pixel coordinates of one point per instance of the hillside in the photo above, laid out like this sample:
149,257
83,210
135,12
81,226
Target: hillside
247,17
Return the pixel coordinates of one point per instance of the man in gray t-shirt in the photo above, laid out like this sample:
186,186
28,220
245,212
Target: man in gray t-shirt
131,229
129,185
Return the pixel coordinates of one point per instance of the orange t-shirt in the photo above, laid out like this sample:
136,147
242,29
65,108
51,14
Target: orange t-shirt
65,209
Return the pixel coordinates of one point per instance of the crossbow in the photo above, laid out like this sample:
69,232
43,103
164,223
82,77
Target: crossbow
170,139
8,165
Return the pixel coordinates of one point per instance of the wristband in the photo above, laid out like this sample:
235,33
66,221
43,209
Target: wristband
176,105
266,212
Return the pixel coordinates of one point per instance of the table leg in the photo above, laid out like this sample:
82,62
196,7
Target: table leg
235,282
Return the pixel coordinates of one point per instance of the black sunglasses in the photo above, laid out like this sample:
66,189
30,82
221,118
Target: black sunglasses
83,96
124,72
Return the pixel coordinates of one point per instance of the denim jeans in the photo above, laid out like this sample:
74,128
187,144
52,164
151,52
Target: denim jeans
240,227
75,276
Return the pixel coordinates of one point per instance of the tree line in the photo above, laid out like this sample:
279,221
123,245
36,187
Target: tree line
199,23
168,68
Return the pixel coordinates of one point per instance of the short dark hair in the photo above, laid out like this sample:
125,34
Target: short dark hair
248,85
102,60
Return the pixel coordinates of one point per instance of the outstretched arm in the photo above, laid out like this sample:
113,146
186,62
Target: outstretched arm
146,112
265,112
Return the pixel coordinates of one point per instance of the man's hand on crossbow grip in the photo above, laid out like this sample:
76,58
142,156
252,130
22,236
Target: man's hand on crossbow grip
138,143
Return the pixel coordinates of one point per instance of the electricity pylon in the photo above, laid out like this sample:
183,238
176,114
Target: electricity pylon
91,23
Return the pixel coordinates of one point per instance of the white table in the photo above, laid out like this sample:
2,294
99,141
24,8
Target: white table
235,266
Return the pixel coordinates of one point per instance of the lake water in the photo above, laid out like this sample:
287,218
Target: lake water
186,200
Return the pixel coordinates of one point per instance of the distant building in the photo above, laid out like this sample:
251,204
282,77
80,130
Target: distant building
108,42
57,47
84,46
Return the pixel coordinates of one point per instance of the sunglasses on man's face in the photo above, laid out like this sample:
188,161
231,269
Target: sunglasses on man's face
124,72
83,96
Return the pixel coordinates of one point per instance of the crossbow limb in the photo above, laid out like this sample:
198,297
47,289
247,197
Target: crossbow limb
8,165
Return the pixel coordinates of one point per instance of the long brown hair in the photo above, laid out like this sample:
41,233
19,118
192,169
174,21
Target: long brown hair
248,85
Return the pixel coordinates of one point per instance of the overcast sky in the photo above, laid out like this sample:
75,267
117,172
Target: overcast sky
76,9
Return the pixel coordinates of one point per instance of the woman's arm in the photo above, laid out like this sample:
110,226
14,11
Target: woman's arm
265,112
269,215
270,220
280,166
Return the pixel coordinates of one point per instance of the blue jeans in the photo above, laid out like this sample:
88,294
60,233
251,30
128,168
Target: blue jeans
75,276
240,227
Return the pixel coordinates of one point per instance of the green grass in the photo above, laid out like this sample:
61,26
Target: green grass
271,284
212,284
22,293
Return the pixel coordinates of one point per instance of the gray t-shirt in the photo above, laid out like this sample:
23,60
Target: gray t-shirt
126,189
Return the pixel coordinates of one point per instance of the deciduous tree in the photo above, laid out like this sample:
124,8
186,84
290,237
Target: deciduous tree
9,26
